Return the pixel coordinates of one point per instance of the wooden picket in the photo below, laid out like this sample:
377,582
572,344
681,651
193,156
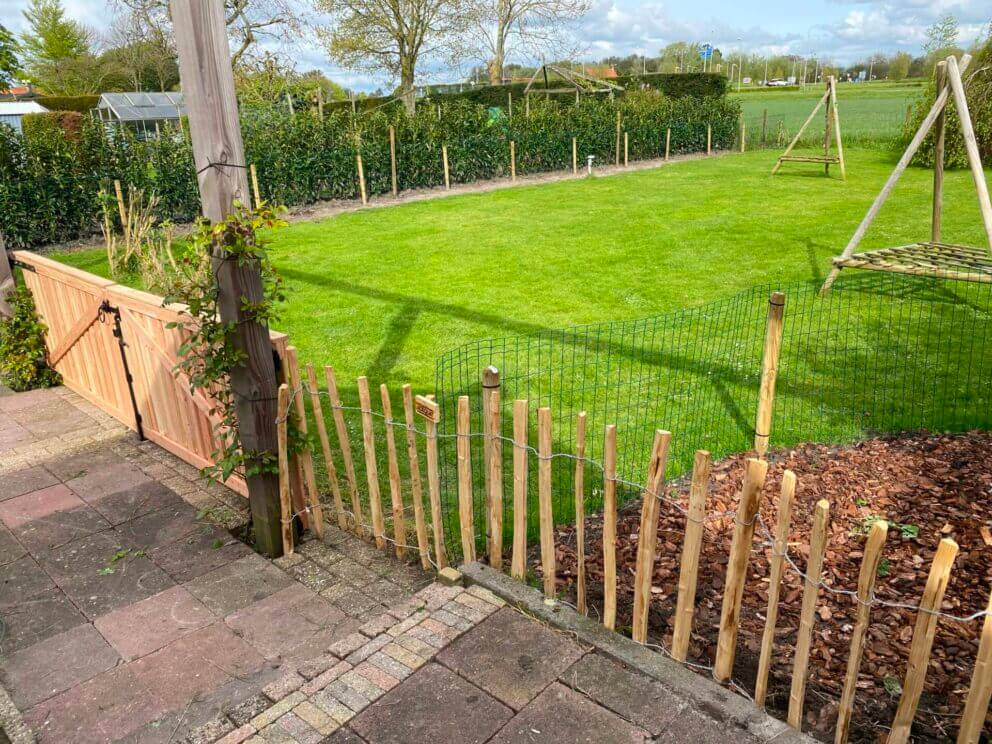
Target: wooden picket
650,510
691,545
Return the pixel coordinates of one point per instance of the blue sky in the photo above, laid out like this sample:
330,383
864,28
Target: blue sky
842,30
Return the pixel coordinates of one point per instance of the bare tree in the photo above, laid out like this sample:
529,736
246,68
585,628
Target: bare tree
538,28
248,21
392,35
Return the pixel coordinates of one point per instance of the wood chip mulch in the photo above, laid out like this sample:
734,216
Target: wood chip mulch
927,487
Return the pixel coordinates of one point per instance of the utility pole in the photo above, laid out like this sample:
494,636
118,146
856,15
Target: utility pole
218,154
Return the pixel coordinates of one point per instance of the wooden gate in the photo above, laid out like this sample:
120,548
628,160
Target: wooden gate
135,381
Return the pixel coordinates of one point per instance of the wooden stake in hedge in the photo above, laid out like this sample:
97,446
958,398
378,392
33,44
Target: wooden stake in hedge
811,590
617,158
626,149
444,159
575,157
610,528
777,563
254,184
923,634
689,569
769,372
668,141
513,161
740,550
361,180
392,160
648,533
866,586
709,139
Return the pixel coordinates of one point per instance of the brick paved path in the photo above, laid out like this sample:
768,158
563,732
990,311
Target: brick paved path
131,614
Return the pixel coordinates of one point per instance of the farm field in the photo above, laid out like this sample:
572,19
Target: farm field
870,113
384,292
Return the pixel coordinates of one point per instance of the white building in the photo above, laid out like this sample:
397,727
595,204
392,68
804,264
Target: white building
12,111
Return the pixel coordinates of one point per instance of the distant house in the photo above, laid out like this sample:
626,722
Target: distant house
12,111
143,112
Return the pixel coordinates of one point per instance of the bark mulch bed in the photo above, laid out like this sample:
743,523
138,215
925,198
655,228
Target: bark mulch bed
927,487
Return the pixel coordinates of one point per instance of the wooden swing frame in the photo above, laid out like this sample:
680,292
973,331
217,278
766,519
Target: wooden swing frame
934,257
831,126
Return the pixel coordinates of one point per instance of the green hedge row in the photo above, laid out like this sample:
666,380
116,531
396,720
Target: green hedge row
49,182
82,104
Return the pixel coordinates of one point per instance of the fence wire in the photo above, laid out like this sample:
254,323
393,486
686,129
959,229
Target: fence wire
880,353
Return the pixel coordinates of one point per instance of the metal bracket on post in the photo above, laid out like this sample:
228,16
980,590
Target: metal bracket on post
107,309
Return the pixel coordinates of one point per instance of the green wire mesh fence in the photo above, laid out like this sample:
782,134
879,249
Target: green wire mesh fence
879,353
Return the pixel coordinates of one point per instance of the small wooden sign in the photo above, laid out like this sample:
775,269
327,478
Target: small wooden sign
426,408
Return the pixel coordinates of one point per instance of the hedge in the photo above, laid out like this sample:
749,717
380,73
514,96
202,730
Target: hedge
49,183
82,104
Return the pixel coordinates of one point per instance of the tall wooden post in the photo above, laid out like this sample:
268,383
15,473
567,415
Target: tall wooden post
6,281
392,160
764,125
769,373
938,159
218,154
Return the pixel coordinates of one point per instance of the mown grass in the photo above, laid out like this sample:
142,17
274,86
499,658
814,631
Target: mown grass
384,292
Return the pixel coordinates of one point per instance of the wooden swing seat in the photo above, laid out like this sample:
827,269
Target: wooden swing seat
942,260
809,159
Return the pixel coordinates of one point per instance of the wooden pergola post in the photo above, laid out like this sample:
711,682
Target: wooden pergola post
6,281
218,154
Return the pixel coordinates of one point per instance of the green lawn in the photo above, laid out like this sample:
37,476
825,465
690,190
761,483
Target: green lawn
383,292
868,113
386,292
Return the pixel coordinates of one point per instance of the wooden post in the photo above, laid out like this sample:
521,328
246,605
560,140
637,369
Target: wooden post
938,159
493,465
215,132
743,134
909,113
668,142
740,549
769,373
575,157
826,130
342,431
320,104
866,585
305,456
764,126
371,466
430,411
325,446
811,590
971,145
6,280
395,489
777,562
610,527
840,143
626,149
254,185
465,517
416,485
361,179
580,512
121,207
648,534
527,106
689,569
923,633
518,564
289,104
392,160
709,139
617,159
285,505
980,690
444,160
509,105
548,567
513,161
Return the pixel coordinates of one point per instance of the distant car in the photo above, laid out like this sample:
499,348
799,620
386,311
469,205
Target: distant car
776,83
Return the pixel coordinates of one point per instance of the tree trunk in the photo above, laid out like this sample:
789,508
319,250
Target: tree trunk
407,76
499,56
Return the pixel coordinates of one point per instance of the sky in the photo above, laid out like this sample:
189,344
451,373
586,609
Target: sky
843,31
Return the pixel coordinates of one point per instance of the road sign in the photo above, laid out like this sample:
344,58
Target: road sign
706,51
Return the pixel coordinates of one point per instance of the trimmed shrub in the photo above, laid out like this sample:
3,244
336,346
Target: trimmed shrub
80,104
49,181
43,124
23,357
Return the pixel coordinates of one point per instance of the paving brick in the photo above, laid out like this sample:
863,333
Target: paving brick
273,713
560,714
445,631
10,548
486,595
323,680
367,649
417,646
361,683
333,707
349,599
238,584
121,506
320,553
239,735
49,518
272,625
210,732
318,665
404,625
434,705
637,698
404,656
510,656
390,665
378,625
242,712
316,718
160,527
26,480
436,595
56,664
477,603
403,610
467,614
300,731
313,576
285,685
348,694
427,636
377,676
351,572
200,552
147,625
